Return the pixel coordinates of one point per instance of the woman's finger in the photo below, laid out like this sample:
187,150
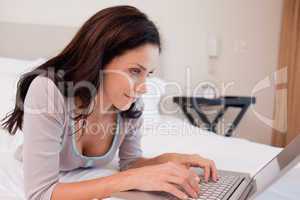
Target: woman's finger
191,177
185,184
167,187
194,181
198,161
214,171
206,169
194,174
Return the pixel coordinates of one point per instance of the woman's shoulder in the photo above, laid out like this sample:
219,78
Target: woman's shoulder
42,84
43,92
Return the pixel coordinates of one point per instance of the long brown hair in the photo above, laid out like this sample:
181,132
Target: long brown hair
107,34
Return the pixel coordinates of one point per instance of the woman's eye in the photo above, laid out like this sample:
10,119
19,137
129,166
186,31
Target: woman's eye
135,71
150,74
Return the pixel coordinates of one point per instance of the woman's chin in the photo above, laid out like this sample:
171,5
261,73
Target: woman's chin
123,107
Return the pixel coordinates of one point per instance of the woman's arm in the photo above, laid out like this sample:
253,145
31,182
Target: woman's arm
93,189
163,158
141,162
187,160
164,177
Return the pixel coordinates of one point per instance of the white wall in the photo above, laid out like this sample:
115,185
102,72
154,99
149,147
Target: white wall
248,30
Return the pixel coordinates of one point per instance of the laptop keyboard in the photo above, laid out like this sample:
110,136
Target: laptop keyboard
217,190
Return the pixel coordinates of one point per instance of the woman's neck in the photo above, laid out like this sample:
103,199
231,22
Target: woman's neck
99,107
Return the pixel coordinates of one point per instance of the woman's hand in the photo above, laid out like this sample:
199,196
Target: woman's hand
192,160
166,177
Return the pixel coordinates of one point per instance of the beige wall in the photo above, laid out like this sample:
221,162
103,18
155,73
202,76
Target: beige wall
248,31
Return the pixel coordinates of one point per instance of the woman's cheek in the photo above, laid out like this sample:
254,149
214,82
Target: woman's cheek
122,103
118,86
120,100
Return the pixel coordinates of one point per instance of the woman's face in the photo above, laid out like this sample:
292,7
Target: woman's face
125,76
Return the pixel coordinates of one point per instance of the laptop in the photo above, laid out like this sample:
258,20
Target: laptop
233,185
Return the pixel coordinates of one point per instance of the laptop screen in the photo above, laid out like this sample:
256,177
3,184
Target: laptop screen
277,167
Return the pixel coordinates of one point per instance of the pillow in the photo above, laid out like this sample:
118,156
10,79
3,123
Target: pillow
151,99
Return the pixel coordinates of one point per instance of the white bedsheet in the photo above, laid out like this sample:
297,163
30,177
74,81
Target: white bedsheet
170,134
228,153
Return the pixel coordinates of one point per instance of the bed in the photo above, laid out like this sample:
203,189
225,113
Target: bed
228,153
161,133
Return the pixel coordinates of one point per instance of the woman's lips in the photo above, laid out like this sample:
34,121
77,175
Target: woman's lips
131,98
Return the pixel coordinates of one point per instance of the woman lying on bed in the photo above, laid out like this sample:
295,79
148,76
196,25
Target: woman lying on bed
84,104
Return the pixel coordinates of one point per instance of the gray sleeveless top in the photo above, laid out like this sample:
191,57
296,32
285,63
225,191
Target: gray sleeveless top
49,140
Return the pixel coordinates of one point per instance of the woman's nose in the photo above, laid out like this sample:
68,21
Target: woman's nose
141,88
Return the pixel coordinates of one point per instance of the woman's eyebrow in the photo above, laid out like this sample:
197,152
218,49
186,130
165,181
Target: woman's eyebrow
142,67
